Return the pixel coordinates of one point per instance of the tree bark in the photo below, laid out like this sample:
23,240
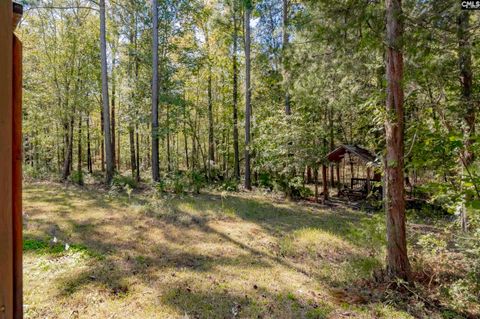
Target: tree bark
119,150
89,147
102,155
325,182
185,136
332,146
248,181
397,259
79,151
236,152
285,37
114,153
169,157
155,142
105,99
138,154
67,164
211,143
133,160
466,82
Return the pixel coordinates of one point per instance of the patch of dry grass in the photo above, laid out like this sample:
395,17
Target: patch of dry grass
207,256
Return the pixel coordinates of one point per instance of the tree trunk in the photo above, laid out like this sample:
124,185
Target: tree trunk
397,259
155,159
285,37
332,146
138,154
466,81
79,151
185,137
325,182
119,151
114,153
211,144
67,164
236,152
248,182
133,160
169,157
102,155
105,99
89,147
309,174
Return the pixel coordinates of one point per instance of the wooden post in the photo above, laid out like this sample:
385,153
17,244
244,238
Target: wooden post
325,182
17,178
337,166
10,164
368,180
6,226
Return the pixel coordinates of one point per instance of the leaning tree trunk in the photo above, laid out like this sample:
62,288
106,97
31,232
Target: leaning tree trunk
105,99
248,181
397,259
155,142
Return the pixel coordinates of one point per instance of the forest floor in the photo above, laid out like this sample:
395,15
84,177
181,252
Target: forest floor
90,253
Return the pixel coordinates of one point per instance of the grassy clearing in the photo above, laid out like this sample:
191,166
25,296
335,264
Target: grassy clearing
91,254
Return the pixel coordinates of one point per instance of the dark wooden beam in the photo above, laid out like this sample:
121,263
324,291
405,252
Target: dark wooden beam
17,179
6,229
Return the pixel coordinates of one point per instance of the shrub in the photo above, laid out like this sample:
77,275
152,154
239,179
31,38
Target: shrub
230,185
33,173
198,181
77,177
265,180
176,183
123,181
293,188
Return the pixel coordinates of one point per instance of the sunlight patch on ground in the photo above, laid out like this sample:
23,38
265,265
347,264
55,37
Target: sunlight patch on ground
208,256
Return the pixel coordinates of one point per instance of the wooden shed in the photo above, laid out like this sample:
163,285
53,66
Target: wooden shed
10,163
364,166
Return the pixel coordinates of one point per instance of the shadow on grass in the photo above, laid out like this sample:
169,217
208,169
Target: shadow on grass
126,256
255,302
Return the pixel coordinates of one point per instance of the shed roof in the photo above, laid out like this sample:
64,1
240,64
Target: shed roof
362,153
17,13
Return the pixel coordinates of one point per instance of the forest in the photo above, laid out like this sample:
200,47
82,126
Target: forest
251,158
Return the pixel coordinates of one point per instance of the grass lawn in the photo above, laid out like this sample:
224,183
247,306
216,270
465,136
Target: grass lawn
94,254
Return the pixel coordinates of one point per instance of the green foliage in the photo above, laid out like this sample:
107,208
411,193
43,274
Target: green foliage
34,173
229,185
265,180
198,181
123,181
77,177
176,182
